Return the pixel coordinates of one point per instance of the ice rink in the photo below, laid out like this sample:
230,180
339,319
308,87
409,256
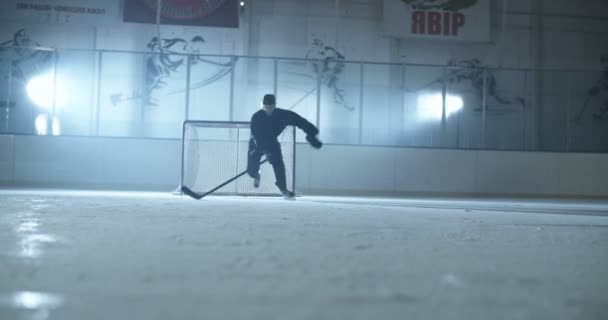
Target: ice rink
119,255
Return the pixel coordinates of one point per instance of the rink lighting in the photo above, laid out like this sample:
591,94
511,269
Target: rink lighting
40,90
242,3
430,106
36,301
41,124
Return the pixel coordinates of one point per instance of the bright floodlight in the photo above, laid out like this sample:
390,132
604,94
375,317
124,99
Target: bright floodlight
242,3
40,91
42,121
430,106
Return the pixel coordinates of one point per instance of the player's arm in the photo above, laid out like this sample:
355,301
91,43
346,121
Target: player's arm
294,119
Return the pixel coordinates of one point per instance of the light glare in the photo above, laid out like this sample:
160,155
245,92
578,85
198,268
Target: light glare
41,123
430,106
36,300
40,91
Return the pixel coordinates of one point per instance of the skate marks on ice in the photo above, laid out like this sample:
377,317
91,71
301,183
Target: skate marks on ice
25,218
27,242
318,260
591,208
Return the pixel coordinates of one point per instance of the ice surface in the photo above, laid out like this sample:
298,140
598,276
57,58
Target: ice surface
116,255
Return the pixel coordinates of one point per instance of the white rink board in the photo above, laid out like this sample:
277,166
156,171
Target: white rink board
146,164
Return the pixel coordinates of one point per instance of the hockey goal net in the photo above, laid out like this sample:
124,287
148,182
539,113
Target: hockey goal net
214,152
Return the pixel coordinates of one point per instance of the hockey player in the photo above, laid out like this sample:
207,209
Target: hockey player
266,125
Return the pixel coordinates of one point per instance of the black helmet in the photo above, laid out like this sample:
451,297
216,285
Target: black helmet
269,99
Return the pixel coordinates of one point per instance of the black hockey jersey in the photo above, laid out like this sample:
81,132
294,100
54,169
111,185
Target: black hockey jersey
265,129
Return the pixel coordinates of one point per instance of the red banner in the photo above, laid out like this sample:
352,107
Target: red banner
210,13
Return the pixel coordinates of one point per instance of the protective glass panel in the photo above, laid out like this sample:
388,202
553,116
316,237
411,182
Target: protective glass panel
31,76
297,89
382,109
125,91
505,109
253,78
588,113
76,85
422,107
210,79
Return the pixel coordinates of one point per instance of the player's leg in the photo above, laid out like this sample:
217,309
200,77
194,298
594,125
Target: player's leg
275,157
254,155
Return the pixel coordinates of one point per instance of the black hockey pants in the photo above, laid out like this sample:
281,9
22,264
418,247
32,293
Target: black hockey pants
274,156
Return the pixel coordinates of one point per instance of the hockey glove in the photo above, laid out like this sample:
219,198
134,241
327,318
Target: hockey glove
314,142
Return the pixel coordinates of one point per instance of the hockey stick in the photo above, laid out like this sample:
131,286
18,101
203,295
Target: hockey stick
198,196
582,110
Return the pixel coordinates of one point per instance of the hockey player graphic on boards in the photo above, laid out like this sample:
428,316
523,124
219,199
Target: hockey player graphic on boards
24,61
21,60
327,64
167,58
471,72
597,94
160,66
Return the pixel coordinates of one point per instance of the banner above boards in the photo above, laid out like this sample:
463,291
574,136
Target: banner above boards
461,20
212,13
84,12
209,13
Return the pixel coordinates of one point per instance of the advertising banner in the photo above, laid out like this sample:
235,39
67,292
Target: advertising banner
210,13
85,12
463,20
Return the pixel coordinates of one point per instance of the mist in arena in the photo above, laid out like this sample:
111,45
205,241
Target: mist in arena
326,159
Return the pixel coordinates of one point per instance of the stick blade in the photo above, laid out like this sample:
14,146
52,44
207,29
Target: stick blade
191,193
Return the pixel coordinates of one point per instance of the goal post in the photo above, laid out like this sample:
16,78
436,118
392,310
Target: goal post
214,152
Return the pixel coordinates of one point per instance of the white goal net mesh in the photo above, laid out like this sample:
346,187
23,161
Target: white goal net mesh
214,152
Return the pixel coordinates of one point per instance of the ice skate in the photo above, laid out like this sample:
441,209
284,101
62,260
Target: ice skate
256,181
288,195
